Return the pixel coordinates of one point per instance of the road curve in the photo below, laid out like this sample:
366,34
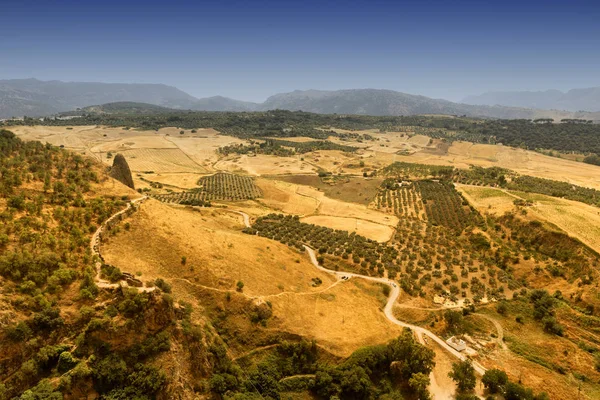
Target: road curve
389,307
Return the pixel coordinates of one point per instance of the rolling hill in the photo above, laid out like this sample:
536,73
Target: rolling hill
32,97
574,100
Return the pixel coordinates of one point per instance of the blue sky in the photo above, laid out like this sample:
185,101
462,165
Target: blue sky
250,50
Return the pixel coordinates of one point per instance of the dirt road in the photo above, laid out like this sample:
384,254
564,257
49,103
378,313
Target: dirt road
389,307
95,247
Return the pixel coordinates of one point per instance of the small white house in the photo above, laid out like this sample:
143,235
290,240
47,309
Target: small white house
456,344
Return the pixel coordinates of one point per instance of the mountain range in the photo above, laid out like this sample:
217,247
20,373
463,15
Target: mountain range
32,97
587,99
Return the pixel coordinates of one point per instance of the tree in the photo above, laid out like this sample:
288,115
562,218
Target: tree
494,380
501,308
453,319
418,383
240,286
463,374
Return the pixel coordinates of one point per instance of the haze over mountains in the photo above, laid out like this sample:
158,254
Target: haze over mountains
32,97
587,99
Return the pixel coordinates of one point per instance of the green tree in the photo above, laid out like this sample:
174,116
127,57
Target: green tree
418,383
463,374
494,380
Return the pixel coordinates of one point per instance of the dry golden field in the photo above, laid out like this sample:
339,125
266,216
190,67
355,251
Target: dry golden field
372,230
577,219
219,255
200,147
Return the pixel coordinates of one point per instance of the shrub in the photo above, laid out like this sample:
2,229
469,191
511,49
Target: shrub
66,362
501,308
162,285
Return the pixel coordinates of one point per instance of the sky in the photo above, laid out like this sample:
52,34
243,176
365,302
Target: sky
249,50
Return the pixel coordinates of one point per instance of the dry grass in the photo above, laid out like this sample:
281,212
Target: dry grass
579,220
339,208
341,317
527,343
160,160
218,253
264,165
346,188
371,230
288,197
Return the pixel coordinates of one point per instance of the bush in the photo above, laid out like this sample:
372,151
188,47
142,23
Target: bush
501,308
162,285
66,362
552,326
19,332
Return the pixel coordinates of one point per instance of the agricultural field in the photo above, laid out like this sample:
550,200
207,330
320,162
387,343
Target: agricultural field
371,230
264,165
160,161
434,201
451,233
217,187
350,189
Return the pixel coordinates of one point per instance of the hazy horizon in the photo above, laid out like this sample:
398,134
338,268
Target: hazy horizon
251,51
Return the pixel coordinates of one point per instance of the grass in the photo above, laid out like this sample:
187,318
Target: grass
486,193
350,189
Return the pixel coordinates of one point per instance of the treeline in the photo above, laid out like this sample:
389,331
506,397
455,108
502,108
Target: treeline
569,136
392,371
283,148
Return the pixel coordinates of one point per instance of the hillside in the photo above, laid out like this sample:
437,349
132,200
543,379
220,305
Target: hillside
389,102
587,99
34,98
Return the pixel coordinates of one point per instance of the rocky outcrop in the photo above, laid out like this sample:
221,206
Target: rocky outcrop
121,172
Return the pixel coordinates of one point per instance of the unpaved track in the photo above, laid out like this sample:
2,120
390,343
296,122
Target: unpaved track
500,338
95,247
389,307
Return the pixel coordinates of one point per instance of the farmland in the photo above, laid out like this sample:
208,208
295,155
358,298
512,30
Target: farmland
453,224
434,201
217,187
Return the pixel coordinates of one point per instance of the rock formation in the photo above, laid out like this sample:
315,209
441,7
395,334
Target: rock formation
121,172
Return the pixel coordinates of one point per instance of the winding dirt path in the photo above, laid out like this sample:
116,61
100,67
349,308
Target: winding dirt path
499,328
95,247
389,307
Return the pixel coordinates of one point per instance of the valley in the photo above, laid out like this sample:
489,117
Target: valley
285,243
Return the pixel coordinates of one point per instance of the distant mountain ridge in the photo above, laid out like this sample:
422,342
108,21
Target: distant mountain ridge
32,97
585,99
